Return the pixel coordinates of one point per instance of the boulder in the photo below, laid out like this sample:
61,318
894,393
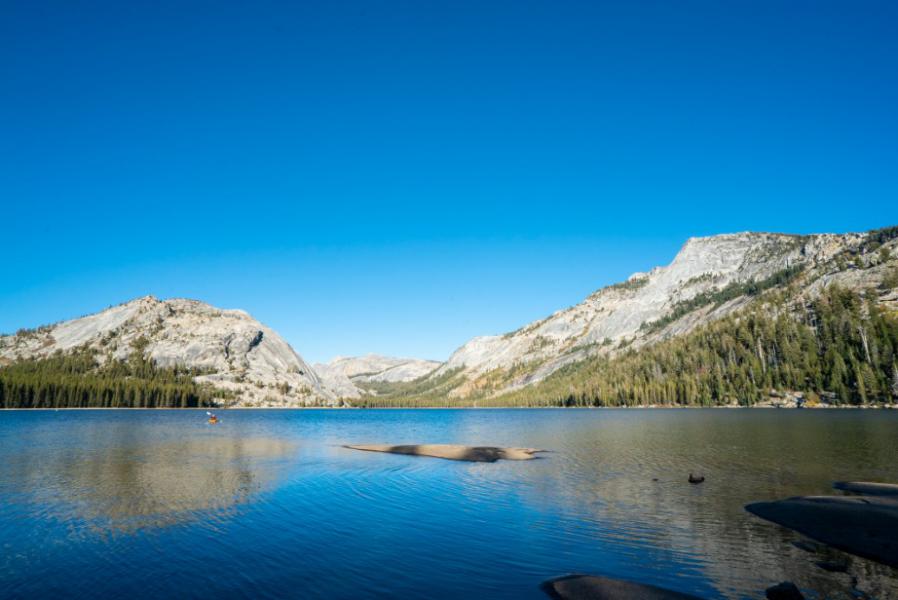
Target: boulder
784,591
865,526
454,452
594,587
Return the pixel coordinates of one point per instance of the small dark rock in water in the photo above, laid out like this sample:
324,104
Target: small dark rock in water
654,479
806,546
589,587
865,526
696,478
867,488
832,566
784,591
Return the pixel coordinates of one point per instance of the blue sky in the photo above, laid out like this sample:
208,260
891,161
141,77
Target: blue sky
398,177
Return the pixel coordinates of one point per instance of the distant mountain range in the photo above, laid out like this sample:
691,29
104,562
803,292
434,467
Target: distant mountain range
348,375
710,279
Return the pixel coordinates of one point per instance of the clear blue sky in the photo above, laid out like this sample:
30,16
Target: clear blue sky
397,177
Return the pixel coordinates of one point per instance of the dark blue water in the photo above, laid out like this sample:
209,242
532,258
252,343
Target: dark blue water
267,504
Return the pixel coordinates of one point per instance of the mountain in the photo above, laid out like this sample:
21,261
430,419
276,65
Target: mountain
354,376
227,349
374,367
710,278
734,318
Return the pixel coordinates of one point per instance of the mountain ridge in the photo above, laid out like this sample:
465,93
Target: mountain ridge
623,313
709,279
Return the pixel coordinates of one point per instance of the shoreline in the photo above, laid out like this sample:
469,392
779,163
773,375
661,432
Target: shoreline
885,407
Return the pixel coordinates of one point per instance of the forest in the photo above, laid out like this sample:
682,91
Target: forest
80,380
840,348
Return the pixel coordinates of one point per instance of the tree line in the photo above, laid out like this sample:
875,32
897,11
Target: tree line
79,380
842,348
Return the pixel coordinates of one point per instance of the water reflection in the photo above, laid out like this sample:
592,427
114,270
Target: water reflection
123,488
626,476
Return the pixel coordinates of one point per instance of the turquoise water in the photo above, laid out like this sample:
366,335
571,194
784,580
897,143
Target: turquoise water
267,504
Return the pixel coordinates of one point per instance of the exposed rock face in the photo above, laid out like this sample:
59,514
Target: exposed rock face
616,314
335,380
241,353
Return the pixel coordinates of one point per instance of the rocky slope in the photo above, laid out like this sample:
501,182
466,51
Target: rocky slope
661,303
237,352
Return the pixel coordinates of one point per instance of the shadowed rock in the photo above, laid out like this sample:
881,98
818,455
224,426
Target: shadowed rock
454,452
868,488
592,587
784,591
867,527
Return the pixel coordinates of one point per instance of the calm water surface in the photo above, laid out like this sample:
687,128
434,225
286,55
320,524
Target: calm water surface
145,504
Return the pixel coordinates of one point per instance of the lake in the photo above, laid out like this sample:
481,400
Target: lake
267,504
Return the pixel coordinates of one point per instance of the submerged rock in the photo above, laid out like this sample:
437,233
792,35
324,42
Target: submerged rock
784,591
868,488
593,587
867,527
454,452
806,546
832,566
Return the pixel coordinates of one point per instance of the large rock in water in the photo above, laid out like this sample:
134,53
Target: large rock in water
784,591
865,526
593,587
453,451
240,353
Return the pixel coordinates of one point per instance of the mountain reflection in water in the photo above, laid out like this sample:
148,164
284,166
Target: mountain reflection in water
136,482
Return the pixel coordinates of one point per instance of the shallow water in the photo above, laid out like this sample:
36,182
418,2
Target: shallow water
268,504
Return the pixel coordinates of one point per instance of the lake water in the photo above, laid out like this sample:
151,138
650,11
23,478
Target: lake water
267,504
